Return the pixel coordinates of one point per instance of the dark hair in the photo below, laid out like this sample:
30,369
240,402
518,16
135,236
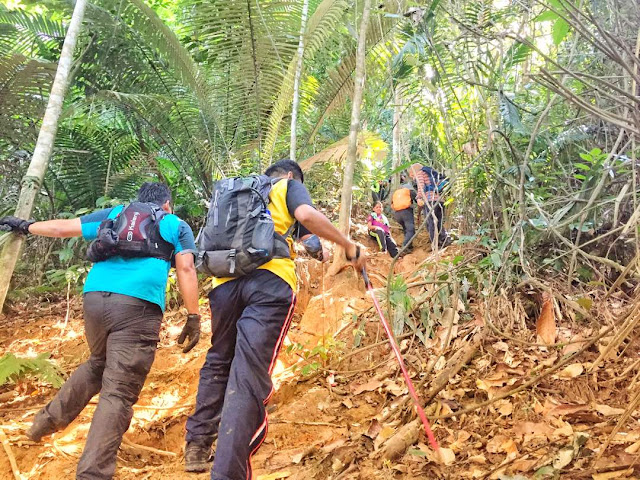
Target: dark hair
375,204
284,166
154,192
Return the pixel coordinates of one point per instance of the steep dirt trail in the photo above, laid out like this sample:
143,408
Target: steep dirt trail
335,419
301,414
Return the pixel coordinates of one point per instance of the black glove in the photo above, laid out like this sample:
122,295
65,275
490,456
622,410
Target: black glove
191,330
313,247
15,224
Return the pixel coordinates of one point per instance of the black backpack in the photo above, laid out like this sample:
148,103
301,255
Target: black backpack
135,232
239,234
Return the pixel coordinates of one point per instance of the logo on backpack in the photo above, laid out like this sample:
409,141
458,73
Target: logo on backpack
134,232
239,235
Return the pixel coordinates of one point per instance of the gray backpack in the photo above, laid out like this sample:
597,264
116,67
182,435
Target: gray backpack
239,234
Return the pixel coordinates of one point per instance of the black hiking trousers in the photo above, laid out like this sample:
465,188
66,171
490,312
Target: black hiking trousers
122,333
434,216
385,241
250,317
407,222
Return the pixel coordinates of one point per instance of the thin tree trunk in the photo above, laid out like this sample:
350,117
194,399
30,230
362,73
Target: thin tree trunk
344,221
34,177
296,82
396,155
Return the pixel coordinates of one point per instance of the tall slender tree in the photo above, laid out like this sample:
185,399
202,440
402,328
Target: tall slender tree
296,82
34,177
344,220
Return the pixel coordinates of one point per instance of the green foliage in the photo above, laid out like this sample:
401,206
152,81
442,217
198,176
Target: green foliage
315,357
13,369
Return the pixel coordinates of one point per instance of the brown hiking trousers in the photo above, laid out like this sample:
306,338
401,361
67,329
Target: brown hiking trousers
122,333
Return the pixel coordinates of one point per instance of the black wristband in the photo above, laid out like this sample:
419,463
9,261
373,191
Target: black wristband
193,316
353,258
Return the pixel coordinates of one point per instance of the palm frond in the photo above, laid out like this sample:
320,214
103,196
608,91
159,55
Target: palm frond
321,25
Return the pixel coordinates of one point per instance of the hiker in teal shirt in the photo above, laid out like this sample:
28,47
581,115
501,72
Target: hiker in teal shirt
124,300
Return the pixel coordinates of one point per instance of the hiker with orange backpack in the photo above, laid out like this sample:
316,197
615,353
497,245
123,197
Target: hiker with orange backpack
402,202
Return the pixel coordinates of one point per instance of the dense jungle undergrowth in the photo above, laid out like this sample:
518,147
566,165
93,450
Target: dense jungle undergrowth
521,337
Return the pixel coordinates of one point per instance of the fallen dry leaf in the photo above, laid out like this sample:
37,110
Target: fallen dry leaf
609,475
530,430
505,408
447,457
374,429
393,388
571,371
510,448
494,445
369,386
633,448
274,476
608,411
479,459
546,323
552,410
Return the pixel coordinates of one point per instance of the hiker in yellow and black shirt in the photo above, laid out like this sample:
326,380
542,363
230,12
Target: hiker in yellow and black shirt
250,316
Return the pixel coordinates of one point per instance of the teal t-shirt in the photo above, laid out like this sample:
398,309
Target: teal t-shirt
144,278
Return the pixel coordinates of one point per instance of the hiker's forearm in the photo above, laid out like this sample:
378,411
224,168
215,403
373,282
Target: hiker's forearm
317,223
59,228
187,281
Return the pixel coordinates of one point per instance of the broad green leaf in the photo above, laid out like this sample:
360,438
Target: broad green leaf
582,166
559,31
546,16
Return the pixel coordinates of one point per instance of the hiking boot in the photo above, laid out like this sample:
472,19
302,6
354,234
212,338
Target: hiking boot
447,241
41,427
197,458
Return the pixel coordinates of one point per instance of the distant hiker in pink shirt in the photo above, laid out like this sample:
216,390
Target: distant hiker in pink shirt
378,226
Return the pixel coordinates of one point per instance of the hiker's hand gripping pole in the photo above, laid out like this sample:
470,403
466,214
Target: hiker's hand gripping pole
396,350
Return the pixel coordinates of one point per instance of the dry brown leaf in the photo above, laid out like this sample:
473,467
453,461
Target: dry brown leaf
447,457
385,434
531,429
523,465
572,371
608,411
505,408
347,403
510,448
374,429
609,475
393,388
479,459
633,448
546,323
369,386
552,410
501,346
494,445
274,476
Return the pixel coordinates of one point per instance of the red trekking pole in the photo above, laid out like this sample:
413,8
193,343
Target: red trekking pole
394,346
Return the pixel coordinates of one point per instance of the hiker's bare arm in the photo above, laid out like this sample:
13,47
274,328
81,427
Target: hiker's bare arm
59,228
317,223
187,280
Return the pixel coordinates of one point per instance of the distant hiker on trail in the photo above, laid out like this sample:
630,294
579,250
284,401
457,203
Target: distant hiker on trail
246,245
124,300
378,227
380,191
402,202
429,183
